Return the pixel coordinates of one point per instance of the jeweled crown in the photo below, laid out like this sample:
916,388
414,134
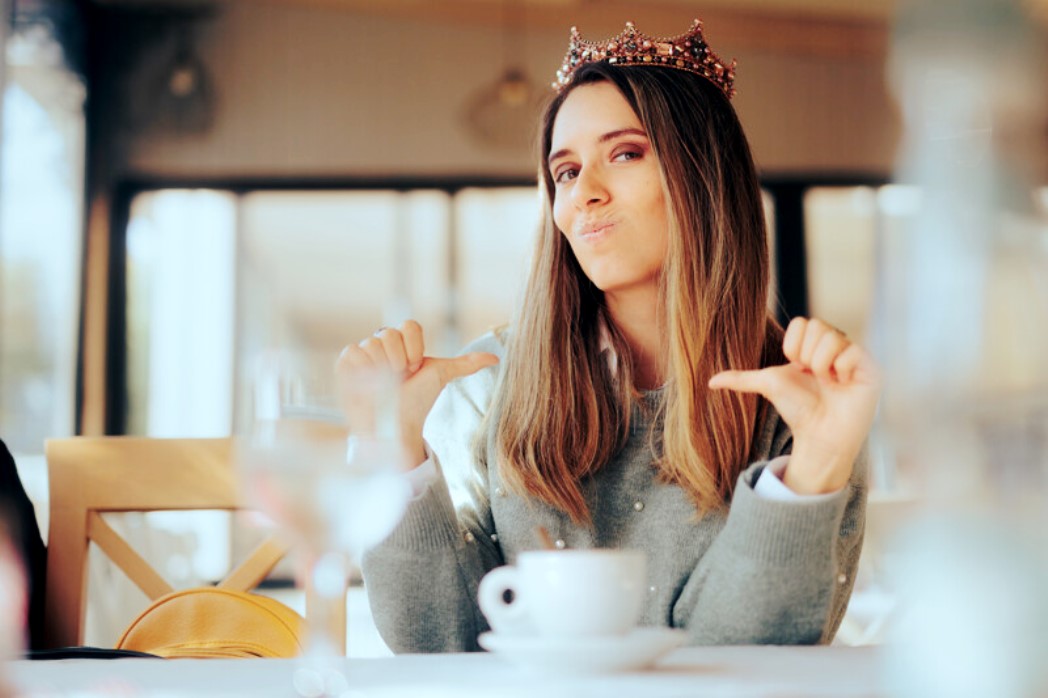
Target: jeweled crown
689,51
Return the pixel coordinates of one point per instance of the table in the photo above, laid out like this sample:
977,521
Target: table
775,672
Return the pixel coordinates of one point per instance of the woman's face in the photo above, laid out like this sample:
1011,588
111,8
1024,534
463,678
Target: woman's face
608,199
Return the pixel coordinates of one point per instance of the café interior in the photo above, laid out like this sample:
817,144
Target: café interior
187,183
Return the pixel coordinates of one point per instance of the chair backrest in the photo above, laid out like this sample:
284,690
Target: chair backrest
90,476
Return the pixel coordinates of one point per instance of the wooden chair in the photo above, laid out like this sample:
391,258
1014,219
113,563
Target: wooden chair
90,476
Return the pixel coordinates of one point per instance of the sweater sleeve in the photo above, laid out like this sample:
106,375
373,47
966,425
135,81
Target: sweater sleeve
780,572
422,580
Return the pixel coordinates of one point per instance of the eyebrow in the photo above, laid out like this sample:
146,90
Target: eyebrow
609,136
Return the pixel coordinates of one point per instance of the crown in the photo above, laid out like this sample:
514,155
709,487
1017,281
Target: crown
688,51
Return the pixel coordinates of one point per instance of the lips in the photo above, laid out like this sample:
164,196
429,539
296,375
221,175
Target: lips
593,230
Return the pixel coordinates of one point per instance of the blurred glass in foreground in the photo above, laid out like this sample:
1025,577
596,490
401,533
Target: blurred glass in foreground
331,493
963,297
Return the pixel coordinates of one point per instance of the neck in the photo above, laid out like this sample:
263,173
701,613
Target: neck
635,314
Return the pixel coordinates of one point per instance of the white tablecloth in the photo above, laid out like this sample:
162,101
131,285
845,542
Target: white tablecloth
779,672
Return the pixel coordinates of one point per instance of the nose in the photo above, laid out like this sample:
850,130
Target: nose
589,188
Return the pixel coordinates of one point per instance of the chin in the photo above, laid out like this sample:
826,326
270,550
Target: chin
613,286
612,279
602,283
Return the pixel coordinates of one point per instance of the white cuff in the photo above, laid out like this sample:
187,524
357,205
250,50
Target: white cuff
770,485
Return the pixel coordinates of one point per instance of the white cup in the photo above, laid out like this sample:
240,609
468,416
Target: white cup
566,593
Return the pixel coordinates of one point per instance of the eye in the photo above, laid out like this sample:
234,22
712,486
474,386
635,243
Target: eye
565,174
628,154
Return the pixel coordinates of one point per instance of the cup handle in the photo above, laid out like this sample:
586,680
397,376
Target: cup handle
491,595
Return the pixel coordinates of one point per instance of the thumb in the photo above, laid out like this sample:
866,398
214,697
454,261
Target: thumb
741,381
461,366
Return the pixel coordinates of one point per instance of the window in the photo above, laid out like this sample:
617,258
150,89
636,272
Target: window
41,191
180,248
840,232
214,276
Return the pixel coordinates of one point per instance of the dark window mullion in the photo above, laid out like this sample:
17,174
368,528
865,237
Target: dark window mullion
790,248
117,397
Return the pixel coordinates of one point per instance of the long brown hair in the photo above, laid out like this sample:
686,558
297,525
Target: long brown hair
560,412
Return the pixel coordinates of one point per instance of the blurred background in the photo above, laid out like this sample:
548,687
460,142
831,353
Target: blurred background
186,182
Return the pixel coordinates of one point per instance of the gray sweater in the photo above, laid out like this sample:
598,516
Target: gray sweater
760,572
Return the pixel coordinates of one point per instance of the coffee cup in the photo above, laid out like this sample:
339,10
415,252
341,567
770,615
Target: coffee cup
566,593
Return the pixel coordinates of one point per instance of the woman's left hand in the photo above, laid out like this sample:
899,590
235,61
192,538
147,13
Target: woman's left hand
827,395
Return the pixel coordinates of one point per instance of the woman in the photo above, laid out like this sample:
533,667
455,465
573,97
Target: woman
643,398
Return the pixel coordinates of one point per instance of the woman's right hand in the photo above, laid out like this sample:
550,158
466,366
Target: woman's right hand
423,377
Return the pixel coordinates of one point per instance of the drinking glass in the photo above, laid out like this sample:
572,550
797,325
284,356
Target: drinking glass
334,487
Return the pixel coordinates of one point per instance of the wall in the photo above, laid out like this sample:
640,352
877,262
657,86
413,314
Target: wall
320,90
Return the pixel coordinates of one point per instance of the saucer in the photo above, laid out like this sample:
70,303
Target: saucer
637,649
